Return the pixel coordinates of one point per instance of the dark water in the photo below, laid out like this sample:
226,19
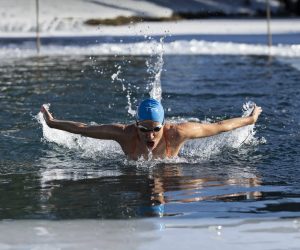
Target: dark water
40,179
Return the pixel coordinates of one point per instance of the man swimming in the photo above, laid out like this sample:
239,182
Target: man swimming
150,133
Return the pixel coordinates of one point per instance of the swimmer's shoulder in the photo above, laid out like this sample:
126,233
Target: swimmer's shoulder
130,130
171,129
177,131
126,135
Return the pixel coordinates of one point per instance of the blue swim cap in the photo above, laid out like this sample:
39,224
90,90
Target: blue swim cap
151,109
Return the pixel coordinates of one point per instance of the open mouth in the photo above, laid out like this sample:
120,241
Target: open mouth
150,144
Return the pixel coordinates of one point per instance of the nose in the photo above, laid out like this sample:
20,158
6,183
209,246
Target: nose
150,135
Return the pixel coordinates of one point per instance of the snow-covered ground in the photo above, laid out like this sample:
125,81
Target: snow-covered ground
20,15
68,17
63,23
185,27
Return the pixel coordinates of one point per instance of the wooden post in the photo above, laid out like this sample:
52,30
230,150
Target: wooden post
38,40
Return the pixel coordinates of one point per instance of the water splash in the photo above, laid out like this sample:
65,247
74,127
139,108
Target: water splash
130,111
155,69
127,89
206,147
86,147
248,108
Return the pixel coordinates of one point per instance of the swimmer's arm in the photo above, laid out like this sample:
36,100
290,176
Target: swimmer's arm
106,132
193,130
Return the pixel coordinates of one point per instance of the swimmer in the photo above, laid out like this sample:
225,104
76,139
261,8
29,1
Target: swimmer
150,133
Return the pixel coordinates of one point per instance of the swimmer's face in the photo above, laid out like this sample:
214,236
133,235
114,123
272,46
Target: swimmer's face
150,133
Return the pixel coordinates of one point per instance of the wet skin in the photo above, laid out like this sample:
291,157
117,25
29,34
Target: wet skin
163,143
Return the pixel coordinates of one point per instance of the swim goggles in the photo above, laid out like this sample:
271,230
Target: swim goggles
145,130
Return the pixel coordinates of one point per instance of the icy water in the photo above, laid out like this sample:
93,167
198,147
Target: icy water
47,174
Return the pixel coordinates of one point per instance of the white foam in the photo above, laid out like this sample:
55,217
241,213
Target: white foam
87,147
182,47
206,147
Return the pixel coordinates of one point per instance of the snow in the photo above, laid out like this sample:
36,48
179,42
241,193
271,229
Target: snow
63,23
68,17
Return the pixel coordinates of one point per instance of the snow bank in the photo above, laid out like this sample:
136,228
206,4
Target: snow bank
69,16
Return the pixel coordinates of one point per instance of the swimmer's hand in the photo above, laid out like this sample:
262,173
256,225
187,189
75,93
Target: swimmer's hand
46,114
256,113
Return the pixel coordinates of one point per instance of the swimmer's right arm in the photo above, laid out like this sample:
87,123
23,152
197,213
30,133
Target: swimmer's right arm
194,130
106,132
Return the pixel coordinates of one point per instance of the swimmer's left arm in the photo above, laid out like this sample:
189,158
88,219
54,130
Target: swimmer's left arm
193,130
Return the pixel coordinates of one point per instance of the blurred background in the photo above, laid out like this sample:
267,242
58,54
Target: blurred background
67,15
